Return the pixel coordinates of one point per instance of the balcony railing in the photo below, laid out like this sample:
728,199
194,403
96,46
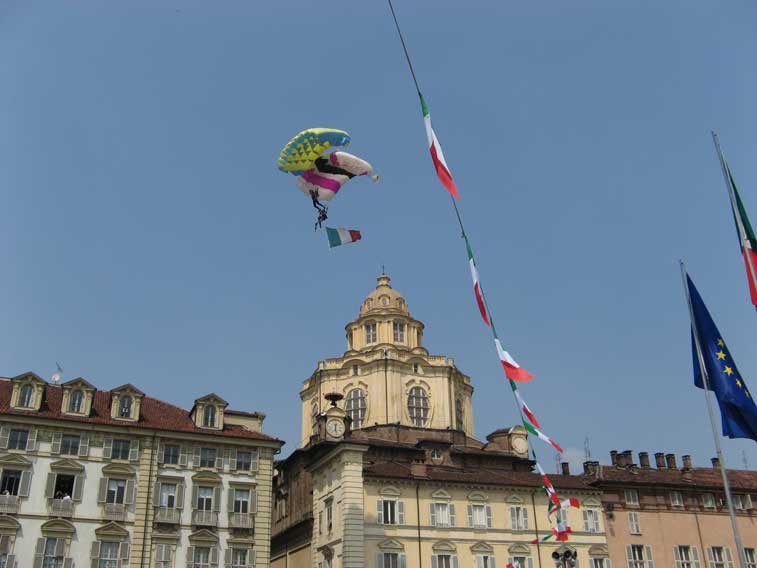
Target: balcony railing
8,504
167,515
241,521
61,508
204,518
114,512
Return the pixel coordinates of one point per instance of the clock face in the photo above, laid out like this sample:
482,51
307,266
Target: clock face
520,445
335,427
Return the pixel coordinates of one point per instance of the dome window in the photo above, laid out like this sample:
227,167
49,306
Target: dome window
399,332
370,333
417,406
355,407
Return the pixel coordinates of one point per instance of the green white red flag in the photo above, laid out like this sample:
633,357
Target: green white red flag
747,240
513,371
476,284
437,156
523,406
541,435
551,493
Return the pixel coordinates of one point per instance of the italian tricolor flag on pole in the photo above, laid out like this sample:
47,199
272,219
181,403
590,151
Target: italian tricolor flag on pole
476,284
442,170
513,371
747,240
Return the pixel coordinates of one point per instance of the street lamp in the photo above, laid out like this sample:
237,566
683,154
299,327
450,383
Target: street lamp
566,559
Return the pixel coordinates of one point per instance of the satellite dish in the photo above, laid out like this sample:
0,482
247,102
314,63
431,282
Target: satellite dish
57,374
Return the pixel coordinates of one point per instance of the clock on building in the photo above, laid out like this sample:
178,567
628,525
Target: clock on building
335,428
520,445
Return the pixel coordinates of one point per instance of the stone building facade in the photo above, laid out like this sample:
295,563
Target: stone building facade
116,479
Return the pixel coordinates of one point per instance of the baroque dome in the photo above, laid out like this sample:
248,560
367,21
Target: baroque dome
384,299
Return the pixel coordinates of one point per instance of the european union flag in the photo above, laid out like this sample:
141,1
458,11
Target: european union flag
737,408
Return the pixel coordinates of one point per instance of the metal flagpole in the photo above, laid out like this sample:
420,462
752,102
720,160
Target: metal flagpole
715,435
745,244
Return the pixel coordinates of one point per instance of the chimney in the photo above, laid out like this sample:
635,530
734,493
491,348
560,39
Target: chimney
659,460
614,457
671,459
627,458
418,469
644,459
715,462
565,468
686,462
590,467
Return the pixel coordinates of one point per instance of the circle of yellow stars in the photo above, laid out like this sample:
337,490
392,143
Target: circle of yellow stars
728,370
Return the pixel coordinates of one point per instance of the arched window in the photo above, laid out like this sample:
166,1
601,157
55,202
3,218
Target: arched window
124,407
26,397
355,407
417,406
76,402
209,416
459,414
399,332
370,333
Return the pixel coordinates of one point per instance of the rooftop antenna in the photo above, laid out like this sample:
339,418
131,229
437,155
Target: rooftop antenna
558,460
587,450
57,374
744,459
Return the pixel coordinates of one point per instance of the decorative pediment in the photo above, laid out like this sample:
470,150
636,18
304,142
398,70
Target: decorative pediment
391,544
520,549
112,531
208,411
67,465
591,502
389,491
599,550
14,460
212,398
118,470
8,525
125,403
477,496
203,537
443,546
58,527
29,377
80,383
206,477
515,499
128,388
441,494
482,548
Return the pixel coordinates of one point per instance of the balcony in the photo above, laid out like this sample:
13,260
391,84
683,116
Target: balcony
204,518
168,515
114,512
241,521
9,504
61,508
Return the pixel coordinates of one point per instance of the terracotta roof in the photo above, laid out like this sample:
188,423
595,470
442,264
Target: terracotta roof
703,477
477,476
154,414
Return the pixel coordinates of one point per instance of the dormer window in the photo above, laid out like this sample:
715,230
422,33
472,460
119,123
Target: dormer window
26,398
209,417
76,402
124,407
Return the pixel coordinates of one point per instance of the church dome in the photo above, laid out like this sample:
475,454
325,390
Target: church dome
384,299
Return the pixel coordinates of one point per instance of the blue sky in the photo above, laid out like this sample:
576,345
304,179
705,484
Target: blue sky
147,237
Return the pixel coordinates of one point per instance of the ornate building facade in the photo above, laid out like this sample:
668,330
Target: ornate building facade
116,479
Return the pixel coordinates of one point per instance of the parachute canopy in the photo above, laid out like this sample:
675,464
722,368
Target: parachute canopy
303,150
330,173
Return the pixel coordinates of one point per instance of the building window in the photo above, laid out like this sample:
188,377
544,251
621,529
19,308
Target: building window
64,486
390,512
26,397
18,439
202,557
205,498
171,454
459,414
442,514
239,558
76,402
632,497
639,556
69,445
124,406
241,500
719,557
388,560
480,516
329,505
561,516
686,557
522,561
399,332
355,370
742,502
708,500
209,417
10,482
207,457
370,333
163,555
53,553
485,561
417,406
751,558
634,526
108,555
116,491
415,368
519,518
676,499
436,455
244,461
445,561
591,520
120,449
599,563
355,407
168,495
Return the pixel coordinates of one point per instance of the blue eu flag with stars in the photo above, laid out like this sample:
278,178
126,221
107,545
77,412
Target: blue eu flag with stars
737,408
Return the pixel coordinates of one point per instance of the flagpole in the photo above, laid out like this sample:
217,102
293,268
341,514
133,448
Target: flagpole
745,244
715,435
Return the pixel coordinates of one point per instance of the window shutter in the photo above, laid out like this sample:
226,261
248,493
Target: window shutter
156,494
710,556
107,447
677,556
479,561
78,488
183,455
454,561
26,479
219,460
84,445
160,552
380,513
434,561
39,551
513,518
190,557
400,512
10,561
451,515
254,501
232,460
530,562
129,497
161,453
214,556
196,457
230,500
748,501
68,563
587,522
608,563
60,547
525,517
134,450
629,556
57,437
470,515
217,499
403,561
179,502
31,441
123,554
254,460
50,485
194,497
103,490
5,433
650,562
432,513
379,560
728,557
695,556
227,557
4,544
489,516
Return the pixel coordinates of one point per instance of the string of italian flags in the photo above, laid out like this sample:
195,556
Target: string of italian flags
514,373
